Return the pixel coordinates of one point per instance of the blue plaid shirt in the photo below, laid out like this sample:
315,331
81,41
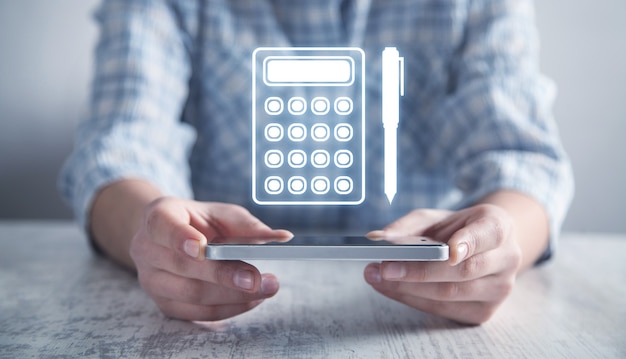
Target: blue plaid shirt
171,103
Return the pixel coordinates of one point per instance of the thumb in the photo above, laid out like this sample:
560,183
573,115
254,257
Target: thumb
415,223
228,220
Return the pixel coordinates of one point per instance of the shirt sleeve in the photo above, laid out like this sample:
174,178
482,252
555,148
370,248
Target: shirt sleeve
496,129
133,128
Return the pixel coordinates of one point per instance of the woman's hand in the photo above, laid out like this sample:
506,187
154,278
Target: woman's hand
469,287
168,253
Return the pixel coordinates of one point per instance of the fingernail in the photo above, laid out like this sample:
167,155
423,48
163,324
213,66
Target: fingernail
372,274
244,279
269,285
192,248
461,252
394,271
378,234
283,233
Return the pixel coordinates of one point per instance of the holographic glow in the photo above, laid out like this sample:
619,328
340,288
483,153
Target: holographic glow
392,89
308,123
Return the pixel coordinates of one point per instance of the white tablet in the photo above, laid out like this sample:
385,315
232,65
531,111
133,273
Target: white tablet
330,248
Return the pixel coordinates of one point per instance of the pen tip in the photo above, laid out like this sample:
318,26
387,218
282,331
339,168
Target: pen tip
390,196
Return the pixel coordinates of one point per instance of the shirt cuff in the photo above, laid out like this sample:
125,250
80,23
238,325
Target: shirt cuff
546,180
111,158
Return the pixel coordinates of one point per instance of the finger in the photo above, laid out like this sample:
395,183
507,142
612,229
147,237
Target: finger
443,230
166,223
414,223
195,312
194,291
471,312
172,223
488,288
230,274
477,266
376,235
480,235
227,220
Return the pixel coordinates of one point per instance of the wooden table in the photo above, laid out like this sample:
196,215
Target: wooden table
59,299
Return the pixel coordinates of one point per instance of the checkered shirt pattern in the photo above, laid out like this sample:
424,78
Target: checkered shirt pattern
171,103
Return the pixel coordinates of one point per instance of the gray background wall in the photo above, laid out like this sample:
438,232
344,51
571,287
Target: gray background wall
45,65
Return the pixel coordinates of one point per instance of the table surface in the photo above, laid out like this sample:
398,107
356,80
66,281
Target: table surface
57,298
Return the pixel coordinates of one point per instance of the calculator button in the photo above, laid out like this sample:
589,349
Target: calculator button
297,158
320,105
343,105
274,106
297,185
343,132
296,132
273,158
320,132
320,158
343,185
273,185
320,185
274,132
296,105
343,158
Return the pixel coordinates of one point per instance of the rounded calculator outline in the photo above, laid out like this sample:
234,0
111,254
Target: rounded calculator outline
271,100
274,179
315,137
316,100
276,84
315,163
290,130
269,127
338,128
291,181
290,161
338,182
290,103
317,179
269,163
339,101
338,163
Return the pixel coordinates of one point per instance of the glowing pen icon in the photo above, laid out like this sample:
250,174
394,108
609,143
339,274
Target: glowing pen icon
392,89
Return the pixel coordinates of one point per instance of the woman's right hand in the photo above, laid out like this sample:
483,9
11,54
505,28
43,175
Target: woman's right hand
168,251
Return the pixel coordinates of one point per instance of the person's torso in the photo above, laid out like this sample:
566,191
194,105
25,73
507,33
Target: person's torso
225,35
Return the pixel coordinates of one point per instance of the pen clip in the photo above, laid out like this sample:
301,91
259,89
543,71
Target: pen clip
401,60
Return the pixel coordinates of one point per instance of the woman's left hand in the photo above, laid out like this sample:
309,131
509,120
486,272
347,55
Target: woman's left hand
479,275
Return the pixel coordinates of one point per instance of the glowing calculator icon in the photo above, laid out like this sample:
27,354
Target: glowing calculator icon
308,124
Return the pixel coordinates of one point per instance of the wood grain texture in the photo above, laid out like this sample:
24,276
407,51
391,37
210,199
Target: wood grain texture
58,299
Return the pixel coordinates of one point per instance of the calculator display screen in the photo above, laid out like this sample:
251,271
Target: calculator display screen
308,71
